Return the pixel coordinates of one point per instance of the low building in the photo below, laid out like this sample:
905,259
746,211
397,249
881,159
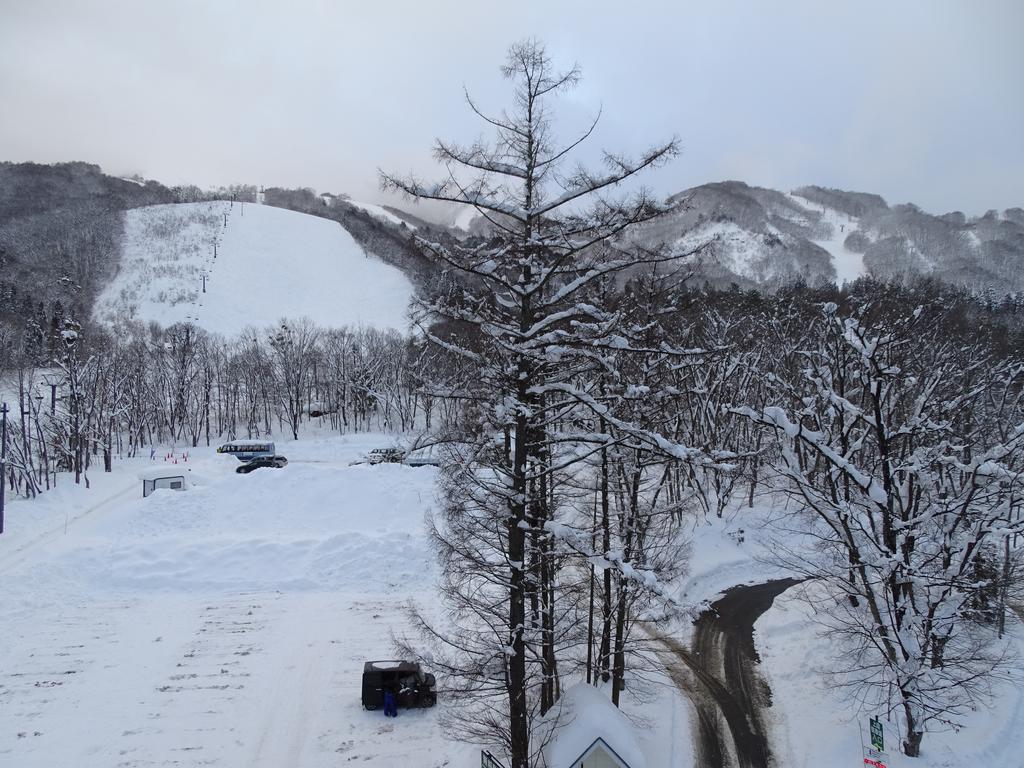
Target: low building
172,477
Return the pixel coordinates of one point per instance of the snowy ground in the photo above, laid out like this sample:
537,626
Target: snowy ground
816,726
813,726
225,625
299,265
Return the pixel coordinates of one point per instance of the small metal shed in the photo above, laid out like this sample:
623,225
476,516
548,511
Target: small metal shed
173,478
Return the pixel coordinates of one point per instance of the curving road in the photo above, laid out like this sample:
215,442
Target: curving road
725,686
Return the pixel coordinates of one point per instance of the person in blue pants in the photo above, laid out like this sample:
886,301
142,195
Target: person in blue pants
390,705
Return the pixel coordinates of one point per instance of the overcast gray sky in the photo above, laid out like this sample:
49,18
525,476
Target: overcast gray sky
918,101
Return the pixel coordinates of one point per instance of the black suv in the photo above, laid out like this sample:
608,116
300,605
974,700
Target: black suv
262,461
409,684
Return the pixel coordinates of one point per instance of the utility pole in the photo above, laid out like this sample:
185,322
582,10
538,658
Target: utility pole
215,248
204,282
3,462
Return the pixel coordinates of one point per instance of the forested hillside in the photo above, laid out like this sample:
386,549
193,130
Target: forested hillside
60,238
765,238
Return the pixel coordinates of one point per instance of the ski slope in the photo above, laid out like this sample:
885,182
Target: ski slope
270,263
849,265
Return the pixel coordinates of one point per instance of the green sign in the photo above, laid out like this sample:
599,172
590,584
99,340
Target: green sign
876,734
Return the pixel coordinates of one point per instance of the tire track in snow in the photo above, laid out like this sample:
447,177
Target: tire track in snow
725,687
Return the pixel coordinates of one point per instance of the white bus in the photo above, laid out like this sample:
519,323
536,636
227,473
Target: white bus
247,450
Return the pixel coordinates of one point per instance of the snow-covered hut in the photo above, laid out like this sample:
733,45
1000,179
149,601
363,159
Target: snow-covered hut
592,733
172,477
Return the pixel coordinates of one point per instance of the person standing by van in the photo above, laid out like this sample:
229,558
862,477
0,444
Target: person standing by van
390,703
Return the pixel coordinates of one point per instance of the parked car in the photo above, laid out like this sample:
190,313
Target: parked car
427,456
262,461
411,686
385,456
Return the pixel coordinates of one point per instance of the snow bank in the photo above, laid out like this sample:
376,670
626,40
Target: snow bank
303,527
816,723
586,714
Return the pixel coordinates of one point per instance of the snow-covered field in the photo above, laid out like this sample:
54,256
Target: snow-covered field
227,625
224,625
271,263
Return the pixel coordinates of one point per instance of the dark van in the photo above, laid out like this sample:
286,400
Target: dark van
410,685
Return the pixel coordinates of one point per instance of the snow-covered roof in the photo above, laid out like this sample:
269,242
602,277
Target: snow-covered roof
585,716
389,666
159,472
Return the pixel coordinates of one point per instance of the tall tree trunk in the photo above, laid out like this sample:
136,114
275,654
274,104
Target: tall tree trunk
619,658
604,654
912,741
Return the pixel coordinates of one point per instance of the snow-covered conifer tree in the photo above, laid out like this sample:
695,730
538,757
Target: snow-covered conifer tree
530,333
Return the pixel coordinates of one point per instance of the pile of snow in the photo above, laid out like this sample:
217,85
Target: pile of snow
584,715
812,721
271,263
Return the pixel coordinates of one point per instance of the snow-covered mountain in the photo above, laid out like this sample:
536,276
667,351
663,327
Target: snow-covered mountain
270,263
762,237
